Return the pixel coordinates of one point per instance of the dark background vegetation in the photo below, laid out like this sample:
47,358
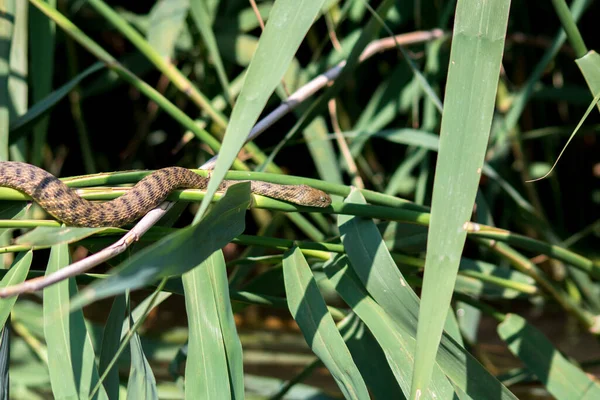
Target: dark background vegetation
125,132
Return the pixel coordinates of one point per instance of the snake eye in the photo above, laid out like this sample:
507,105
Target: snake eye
325,200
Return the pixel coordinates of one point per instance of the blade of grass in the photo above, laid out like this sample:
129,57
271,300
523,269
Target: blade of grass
16,274
473,72
57,329
202,20
563,379
7,22
380,276
570,28
589,66
71,359
287,26
41,42
397,343
206,371
217,274
370,359
17,80
310,312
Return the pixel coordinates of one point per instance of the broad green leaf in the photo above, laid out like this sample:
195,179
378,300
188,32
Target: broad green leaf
383,281
179,252
397,343
473,74
206,371
217,275
375,266
17,274
42,35
288,23
562,378
71,358
17,81
7,25
310,312
590,68
57,329
370,359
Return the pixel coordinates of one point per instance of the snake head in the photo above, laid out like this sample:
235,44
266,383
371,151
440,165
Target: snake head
312,197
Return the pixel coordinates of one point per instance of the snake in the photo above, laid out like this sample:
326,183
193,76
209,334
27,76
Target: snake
64,204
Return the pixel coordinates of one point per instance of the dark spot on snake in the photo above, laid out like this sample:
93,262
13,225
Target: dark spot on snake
44,183
129,209
139,199
18,171
102,215
59,192
74,203
115,214
150,191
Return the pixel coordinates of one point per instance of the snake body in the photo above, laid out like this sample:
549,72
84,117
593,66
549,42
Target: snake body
66,205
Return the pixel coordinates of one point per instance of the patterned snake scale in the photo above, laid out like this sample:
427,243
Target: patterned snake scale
64,203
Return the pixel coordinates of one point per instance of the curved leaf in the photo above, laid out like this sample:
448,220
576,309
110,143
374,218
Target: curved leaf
206,371
288,23
310,312
178,252
562,379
